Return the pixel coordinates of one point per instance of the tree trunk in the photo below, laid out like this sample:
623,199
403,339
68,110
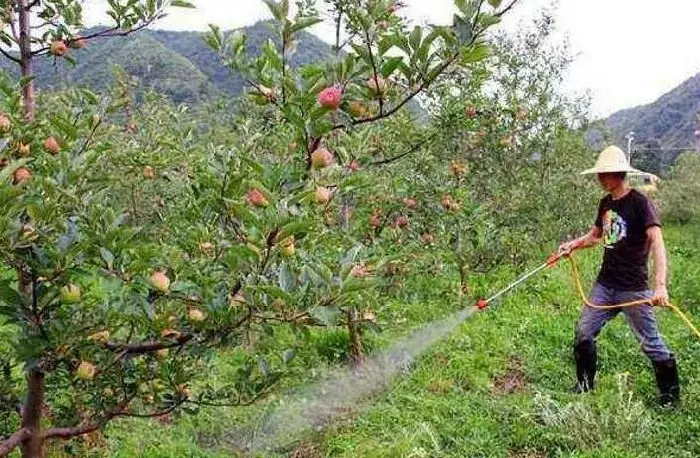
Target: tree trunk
356,356
31,415
25,48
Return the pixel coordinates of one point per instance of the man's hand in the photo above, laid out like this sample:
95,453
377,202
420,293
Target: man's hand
661,295
568,247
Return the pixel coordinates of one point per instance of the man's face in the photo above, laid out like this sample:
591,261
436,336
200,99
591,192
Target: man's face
610,181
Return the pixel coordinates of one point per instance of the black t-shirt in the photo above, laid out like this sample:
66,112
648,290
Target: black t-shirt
624,223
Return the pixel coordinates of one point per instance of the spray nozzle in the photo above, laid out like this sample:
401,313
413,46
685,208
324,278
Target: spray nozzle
482,303
553,259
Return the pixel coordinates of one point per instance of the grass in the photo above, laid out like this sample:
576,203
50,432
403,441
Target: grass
497,387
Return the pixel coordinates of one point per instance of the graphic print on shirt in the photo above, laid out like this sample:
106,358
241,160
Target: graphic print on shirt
614,228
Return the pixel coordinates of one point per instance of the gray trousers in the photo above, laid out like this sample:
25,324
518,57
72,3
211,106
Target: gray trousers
640,318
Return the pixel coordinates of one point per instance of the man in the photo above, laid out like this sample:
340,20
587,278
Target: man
629,227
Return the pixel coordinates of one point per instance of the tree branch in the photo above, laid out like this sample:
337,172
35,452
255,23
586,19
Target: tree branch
92,426
295,319
424,85
113,32
154,414
147,347
238,403
338,24
411,150
374,70
67,433
10,56
507,8
152,346
14,441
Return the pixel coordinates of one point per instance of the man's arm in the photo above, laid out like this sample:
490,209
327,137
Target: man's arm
592,238
658,251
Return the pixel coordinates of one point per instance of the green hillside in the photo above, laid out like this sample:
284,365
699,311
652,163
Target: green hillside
177,64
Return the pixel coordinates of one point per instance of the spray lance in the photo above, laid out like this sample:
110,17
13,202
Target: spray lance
482,303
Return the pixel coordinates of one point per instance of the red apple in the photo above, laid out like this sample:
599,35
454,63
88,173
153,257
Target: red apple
86,371
376,85
51,145
322,195
287,247
357,109
149,173
70,294
5,124
58,48
160,281
354,166
100,337
24,149
331,97
257,198
321,158
401,222
196,315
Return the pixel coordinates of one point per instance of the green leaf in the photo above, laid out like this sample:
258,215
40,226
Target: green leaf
391,65
107,257
476,53
275,9
362,52
321,128
9,295
295,228
463,29
236,41
288,355
184,287
488,20
305,23
495,3
181,4
25,80
272,55
462,5
415,38
350,256
264,367
328,315
286,279
214,38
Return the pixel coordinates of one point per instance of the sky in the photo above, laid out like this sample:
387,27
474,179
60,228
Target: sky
628,52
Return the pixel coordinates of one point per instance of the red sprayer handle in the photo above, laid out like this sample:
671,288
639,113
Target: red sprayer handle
481,304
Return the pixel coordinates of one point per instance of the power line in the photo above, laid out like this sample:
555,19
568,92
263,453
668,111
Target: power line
689,148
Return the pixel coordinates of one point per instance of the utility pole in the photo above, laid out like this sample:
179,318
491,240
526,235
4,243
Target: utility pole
630,139
697,132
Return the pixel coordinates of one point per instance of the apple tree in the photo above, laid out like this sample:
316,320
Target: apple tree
380,66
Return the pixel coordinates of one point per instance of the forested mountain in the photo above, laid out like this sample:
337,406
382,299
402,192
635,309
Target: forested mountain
178,64
664,128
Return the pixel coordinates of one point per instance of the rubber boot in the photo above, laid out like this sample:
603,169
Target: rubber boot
586,362
667,382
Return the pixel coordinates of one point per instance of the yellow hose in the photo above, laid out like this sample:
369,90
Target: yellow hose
577,282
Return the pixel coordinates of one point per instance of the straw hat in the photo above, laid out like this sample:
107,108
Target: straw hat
611,159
